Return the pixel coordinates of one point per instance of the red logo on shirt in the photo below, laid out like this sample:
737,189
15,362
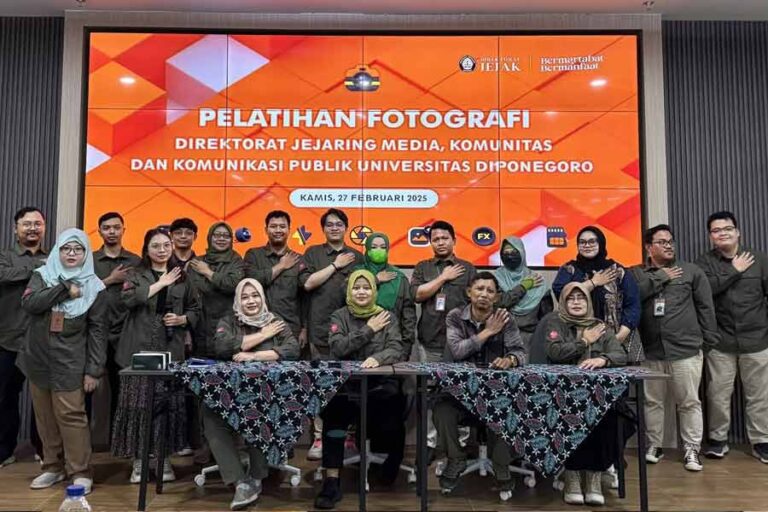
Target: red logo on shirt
28,291
127,285
220,329
334,328
553,335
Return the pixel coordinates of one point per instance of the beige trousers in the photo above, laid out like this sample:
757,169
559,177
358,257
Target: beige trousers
684,387
63,428
753,370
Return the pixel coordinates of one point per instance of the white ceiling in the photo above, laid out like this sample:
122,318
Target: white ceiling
670,9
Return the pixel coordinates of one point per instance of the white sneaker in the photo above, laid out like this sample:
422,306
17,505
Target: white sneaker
594,493
46,480
572,491
168,474
315,452
136,472
654,454
610,478
7,462
691,460
87,484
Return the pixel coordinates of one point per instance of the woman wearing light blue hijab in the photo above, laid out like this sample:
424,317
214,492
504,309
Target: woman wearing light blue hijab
63,356
523,292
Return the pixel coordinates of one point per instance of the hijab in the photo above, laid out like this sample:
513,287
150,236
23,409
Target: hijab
214,256
510,278
263,317
53,272
387,292
600,261
362,311
581,322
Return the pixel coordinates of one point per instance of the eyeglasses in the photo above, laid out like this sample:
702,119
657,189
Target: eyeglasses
72,249
221,236
664,243
726,229
157,247
576,298
588,243
30,225
183,232
335,225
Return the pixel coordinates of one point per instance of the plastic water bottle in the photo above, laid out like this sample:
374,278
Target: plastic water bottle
75,500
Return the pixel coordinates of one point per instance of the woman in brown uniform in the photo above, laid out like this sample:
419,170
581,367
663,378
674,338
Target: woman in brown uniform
63,356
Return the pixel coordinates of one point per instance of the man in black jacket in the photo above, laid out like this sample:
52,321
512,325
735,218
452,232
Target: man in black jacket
739,280
677,323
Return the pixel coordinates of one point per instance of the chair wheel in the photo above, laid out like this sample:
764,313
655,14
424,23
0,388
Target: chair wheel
558,485
505,495
412,478
295,480
199,480
529,482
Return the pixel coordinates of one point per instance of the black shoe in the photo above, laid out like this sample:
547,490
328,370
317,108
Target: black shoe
716,449
452,471
390,469
329,495
760,451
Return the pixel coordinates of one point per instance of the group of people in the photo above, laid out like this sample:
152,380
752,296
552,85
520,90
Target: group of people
73,318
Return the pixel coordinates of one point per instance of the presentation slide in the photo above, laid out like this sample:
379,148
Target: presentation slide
534,136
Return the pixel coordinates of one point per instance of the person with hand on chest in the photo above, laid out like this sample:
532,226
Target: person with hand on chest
16,267
738,276
63,356
214,278
160,308
487,336
249,332
276,267
677,324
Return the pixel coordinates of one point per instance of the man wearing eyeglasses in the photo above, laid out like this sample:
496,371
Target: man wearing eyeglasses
16,266
676,324
739,280
323,274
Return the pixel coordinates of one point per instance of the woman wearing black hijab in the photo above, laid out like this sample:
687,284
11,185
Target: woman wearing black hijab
613,290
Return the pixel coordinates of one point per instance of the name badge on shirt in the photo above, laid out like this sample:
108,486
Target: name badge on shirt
57,321
659,306
440,302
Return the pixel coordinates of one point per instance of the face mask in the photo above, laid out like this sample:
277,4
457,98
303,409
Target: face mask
511,260
378,256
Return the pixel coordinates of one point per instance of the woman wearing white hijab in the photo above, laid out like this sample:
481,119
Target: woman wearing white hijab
63,356
251,333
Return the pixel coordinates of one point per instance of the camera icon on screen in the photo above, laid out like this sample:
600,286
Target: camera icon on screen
362,79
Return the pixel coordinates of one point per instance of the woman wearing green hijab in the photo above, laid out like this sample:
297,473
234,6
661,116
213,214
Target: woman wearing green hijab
523,292
363,331
214,278
394,291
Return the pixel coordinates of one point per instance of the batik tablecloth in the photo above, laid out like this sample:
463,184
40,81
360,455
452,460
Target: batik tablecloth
542,411
268,404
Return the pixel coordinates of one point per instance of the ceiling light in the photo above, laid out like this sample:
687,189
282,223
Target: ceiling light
127,80
598,82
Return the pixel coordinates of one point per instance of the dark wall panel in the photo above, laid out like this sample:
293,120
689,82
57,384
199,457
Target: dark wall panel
716,84
716,92
30,96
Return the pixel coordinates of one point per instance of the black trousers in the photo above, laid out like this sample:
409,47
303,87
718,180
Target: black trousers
11,384
601,447
386,423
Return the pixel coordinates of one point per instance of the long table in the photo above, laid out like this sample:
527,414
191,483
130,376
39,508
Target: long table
427,375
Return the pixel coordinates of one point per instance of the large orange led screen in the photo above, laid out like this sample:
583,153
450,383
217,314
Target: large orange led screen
526,135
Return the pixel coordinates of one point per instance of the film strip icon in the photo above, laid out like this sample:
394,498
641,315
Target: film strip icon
557,237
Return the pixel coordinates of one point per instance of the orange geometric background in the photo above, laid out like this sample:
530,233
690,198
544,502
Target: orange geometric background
145,91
